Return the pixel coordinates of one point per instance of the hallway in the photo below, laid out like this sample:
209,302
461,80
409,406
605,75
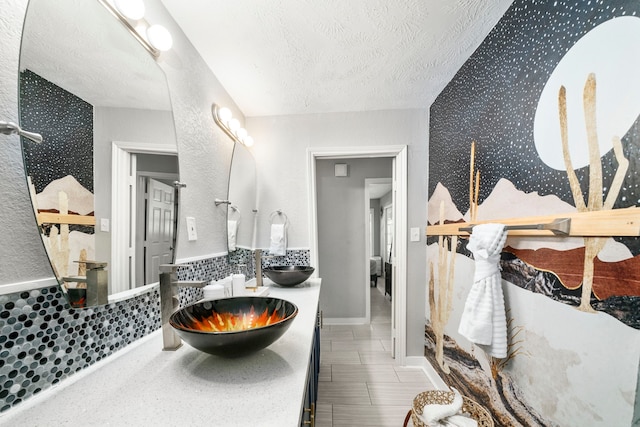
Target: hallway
359,384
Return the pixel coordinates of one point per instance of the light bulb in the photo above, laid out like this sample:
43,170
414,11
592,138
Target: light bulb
241,134
132,9
248,141
159,37
224,114
234,125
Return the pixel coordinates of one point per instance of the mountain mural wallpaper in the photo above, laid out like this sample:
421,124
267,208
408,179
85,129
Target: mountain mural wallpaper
551,101
60,169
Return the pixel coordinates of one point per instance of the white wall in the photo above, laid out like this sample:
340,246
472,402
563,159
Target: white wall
385,201
281,156
375,228
341,234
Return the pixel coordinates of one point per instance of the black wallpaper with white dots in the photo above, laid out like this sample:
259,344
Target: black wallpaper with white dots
492,100
66,125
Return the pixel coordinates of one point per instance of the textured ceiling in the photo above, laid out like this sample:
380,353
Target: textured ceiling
278,57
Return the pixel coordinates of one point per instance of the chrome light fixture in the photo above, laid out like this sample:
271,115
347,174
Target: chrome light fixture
224,119
154,38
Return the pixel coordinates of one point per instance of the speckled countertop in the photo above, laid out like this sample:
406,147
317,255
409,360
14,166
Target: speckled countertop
145,386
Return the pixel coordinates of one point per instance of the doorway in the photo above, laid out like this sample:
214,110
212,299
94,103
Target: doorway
132,166
378,201
155,216
398,154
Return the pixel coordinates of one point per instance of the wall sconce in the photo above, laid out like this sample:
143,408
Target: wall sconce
224,119
154,38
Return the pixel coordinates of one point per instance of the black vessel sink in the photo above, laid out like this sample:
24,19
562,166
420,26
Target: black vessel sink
232,327
288,275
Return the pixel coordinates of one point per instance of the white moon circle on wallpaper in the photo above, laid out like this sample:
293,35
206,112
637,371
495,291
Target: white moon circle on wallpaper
601,51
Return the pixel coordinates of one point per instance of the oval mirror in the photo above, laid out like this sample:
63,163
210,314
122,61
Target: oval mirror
102,179
242,208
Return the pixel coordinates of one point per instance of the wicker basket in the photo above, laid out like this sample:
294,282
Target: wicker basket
441,397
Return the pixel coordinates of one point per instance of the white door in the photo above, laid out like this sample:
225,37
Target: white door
160,214
392,258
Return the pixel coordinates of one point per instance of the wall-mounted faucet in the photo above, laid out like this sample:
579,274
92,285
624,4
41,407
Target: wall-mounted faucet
258,259
169,285
9,128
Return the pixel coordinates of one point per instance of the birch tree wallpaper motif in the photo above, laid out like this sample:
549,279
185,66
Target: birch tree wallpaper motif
552,100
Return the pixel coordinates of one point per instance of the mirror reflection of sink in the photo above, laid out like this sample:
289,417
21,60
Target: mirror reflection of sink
288,275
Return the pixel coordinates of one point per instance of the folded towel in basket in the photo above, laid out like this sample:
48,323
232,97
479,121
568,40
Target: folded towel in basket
278,240
447,415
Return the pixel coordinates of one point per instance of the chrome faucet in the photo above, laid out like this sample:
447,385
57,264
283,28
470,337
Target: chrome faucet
169,285
258,259
97,282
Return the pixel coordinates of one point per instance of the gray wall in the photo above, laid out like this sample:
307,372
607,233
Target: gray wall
341,234
281,152
281,144
22,255
123,125
157,163
205,151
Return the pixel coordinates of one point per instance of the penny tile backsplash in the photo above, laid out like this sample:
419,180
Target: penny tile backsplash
43,340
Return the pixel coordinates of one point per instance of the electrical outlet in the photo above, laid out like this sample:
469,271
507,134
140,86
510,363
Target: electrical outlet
191,228
415,234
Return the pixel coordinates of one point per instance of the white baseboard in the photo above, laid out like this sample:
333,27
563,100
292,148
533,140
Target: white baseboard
11,288
345,321
200,257
432,375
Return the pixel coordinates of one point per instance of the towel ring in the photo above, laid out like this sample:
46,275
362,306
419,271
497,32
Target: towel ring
234,209
279,213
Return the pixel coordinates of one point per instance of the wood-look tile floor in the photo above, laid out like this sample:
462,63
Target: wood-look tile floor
360,384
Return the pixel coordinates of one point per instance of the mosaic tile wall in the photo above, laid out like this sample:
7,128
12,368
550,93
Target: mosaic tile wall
242,261
43,340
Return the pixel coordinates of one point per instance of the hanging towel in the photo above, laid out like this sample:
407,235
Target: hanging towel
278,240
232,229
483,320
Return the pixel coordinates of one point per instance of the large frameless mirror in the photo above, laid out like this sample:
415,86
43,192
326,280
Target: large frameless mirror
102,180
242,208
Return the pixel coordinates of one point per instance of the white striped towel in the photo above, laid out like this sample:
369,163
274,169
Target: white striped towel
232,230
278,244
483,320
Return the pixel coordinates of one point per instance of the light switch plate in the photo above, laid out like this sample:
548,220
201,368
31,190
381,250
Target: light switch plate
191,228
104,224
415,234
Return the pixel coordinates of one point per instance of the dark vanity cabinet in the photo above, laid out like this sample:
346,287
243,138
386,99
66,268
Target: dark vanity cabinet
308,417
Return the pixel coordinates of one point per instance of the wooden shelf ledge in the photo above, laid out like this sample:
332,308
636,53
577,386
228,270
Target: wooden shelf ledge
57,218
607,223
